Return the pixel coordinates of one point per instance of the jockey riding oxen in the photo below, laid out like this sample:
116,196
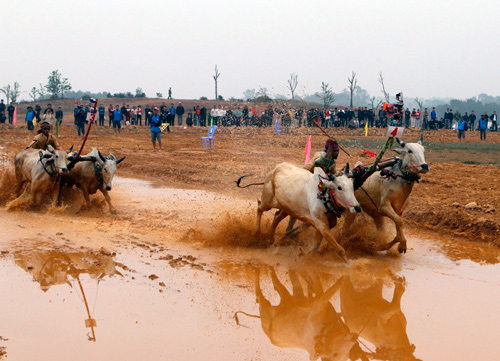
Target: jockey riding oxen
386,193
95,174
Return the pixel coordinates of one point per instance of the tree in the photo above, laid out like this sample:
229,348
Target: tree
7,90
54,83
326,95
372,101
41,91
420,104
139,93
249,94
381,81
292,84
353,82
220,97
65,86
33,93
159,95
216,76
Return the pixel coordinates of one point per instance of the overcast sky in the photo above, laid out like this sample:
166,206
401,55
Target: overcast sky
443,48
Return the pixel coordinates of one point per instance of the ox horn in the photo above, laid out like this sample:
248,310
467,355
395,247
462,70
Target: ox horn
69,150
119,160
50,149
346,171
421,140
400,142
101,156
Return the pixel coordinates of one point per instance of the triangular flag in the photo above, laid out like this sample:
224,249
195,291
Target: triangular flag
15,116
308,150
366,129
370,154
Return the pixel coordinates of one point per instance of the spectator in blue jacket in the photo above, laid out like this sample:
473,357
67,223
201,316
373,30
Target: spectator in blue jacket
482,125
117,118
461,128
102,111
30,115
155,124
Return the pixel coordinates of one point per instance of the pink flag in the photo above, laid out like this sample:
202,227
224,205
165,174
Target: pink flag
308,150
15,115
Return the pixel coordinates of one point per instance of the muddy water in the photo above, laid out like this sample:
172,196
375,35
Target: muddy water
152,296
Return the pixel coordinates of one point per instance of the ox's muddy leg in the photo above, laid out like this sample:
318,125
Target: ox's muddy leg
279,287
259,217
388,211
55,194
108,200
297,289
278,217
325,231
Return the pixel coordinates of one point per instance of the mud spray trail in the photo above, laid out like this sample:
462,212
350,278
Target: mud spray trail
164,277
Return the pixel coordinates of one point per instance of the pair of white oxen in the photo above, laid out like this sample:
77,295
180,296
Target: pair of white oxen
294,192
45,171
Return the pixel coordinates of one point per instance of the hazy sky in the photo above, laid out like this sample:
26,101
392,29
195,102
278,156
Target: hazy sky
444,48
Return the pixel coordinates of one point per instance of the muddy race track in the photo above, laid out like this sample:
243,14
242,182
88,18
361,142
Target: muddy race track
176,273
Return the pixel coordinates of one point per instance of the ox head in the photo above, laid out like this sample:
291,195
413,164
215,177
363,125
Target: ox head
343,190
58,158
413,157
108,168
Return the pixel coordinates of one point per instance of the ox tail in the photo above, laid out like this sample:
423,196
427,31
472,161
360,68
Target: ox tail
248,185
244,313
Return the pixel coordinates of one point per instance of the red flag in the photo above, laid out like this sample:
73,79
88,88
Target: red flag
373,155
15,115
308,150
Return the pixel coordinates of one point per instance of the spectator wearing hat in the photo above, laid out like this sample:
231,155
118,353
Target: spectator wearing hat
30,116
155,124
180,112
44,138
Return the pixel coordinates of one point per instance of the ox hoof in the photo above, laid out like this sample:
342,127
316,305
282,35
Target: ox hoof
402,248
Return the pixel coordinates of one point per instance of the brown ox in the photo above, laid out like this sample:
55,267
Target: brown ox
308,322
42,170
388,196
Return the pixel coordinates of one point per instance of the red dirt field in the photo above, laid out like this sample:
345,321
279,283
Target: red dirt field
438,202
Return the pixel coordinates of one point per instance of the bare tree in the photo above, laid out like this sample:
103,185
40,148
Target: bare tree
33,93
372,101
65,86
326,95
16,90
420,104
216,76
41,91
353,83
292,84
381,81
7,90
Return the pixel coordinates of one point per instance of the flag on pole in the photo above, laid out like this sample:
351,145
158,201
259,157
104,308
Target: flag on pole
15,116
366,129
370,154
308,150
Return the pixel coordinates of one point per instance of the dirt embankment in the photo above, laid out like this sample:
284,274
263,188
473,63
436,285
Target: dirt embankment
441,202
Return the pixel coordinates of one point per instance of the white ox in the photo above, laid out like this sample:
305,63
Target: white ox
294,191
382,196
42,169
91,176
306,320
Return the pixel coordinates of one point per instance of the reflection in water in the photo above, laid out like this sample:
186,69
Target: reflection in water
306,318
61,266
380,322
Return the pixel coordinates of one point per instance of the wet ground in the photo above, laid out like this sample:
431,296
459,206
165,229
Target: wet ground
164,278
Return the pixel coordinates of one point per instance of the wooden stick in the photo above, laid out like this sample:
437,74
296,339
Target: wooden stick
320,128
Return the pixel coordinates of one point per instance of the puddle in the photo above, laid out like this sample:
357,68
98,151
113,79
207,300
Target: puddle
155,297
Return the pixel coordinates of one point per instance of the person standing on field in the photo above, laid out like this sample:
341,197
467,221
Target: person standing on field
180,112
117,119
155,124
